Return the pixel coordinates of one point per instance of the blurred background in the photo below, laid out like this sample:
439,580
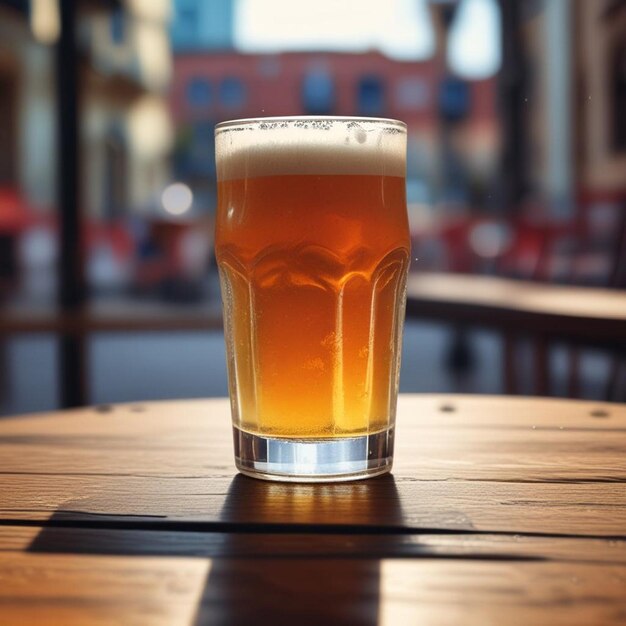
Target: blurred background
516,111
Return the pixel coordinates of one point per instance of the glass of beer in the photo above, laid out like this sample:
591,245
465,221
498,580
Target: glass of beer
312,244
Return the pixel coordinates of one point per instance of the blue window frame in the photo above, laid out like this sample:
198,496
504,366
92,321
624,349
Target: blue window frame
371,95
454,99
199,92
318,93
232,93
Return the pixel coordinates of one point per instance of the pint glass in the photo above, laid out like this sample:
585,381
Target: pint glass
312,244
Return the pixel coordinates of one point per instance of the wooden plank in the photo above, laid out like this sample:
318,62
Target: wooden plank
66,589
451,593
61,590
463,463
140,542
583,313
444,437
125,316
594,510
528,296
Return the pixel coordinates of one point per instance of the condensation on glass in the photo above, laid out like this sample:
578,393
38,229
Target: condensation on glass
312,243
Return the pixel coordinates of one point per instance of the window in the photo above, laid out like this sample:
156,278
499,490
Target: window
371,96
203,148
318,93
454,99
117,25
232,93
199,92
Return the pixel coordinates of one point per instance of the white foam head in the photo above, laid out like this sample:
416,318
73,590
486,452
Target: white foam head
318,146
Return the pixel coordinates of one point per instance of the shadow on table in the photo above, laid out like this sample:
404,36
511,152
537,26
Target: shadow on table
300,552
331,573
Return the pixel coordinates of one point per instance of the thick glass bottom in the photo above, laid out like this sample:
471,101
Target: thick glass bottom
313,460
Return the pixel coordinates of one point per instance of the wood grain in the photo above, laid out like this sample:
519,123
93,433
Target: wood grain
61,590
112,316
462,463
577,313
153,542
500,511
51,590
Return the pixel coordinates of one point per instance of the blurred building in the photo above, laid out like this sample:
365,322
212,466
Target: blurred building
126,131
26,107
201,25
126,134
574,86
600,95
209,88
575,81
599,120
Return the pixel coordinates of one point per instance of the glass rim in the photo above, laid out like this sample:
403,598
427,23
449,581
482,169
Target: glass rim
247,121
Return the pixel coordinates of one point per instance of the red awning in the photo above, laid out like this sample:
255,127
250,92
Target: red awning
15,214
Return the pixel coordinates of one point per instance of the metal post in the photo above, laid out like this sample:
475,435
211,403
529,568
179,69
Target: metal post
512,84
71,286
559,105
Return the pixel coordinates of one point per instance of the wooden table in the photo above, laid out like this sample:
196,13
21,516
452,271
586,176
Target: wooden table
499,511
579,316
108,315
583,314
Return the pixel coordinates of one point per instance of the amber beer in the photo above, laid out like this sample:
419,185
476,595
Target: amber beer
312,243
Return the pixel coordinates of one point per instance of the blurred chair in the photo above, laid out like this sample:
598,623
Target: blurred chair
600,259
590,251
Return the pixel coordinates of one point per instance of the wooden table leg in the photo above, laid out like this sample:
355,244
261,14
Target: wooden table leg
613,390
573,383
73,370
541,372
510,370
4,370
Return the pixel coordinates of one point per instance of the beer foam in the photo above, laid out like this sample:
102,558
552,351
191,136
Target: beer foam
310,146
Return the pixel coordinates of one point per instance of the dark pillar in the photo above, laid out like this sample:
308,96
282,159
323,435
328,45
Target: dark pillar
512,86
71,290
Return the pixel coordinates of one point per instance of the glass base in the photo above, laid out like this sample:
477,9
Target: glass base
313,460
